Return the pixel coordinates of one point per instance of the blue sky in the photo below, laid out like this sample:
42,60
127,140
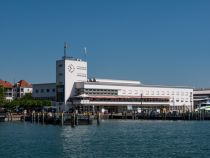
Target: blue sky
162,42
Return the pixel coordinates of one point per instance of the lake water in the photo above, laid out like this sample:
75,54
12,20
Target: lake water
113,138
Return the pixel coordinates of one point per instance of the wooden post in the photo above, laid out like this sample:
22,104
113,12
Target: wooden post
98,118
38,117
88,118
76,119
43,117
10,116
62,118
73,120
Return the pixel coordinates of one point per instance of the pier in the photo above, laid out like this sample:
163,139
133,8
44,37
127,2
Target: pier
72,119
75,119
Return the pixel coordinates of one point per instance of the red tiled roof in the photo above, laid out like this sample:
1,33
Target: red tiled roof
6,84
23,83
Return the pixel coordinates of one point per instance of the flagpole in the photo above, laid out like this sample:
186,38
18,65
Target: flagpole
85,49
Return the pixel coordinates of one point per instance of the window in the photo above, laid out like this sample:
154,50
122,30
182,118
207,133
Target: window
60,74
42,90
182,93
37,91
48,90
186,93
60,65
53,89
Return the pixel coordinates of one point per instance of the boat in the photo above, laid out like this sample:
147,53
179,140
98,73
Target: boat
204,106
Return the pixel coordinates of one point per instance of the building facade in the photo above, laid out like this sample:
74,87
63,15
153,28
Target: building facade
119,95
44,91
74,90
8,89
201,96
21,88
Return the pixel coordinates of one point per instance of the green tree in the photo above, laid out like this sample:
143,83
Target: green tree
2,98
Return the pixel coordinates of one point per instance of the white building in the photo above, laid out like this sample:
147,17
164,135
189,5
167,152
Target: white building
21,88
118,95
200,96
73,89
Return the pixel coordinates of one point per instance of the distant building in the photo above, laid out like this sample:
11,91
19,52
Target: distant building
44,91
74,90
201,95
21,88
8,89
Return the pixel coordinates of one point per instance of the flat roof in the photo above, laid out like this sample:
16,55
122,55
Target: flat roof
133,85
114,81
44,84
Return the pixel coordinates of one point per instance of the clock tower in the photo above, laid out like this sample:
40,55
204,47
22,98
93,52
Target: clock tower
68,71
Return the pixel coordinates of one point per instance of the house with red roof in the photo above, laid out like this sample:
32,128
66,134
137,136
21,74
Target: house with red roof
8,89
21,88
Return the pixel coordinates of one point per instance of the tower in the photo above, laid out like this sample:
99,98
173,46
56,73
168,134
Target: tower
68,71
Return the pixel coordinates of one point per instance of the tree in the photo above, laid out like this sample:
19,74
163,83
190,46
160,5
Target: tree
2,98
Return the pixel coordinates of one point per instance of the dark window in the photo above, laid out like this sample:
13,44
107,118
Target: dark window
37,91
48,90
42,90
53,89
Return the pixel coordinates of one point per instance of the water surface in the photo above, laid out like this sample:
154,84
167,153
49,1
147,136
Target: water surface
112,138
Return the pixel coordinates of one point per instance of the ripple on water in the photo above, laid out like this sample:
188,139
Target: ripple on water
113,138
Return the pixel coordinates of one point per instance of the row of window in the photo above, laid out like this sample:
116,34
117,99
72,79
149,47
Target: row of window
44,90
45,98
130,99
156,92
98,90
95,93
180,100
179,108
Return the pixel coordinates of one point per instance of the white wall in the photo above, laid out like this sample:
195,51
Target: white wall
178,96
71,71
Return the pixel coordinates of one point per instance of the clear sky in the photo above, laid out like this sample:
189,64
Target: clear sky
164,42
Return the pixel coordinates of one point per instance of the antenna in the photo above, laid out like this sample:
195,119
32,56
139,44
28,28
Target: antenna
65,47
85,49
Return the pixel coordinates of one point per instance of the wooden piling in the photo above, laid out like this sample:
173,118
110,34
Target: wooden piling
98,118
62,118
73,120
38,117
43,117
